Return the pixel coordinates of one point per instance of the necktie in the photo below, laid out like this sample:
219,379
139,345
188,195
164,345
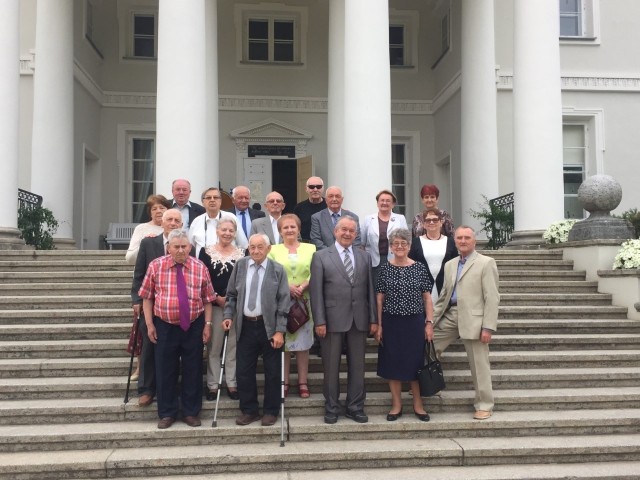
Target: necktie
348,266
334,217
183,299
253,290
244,223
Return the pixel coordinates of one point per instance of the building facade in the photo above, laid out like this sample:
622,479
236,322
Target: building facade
112,99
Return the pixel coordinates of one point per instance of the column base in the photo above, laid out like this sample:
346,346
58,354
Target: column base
526,239
10,240
64,243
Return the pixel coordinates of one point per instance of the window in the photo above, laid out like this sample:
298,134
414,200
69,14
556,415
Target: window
142,176
396,45
398,176
271,40
144,35
579,20
574,155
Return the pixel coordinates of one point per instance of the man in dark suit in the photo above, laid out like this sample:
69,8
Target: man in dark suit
258,301
324,222
181,191
342,303
150,249
241,198
269,224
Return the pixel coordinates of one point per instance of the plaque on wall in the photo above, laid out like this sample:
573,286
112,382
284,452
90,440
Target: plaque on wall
288,151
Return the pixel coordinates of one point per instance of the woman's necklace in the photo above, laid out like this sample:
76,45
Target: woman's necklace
429,238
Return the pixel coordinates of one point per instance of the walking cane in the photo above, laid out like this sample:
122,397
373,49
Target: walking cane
282,397
135,342
224,354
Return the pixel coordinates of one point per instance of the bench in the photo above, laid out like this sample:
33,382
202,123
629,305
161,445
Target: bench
119,234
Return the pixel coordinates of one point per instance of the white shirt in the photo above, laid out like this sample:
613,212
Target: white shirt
251,271
274,228
349,251
203,231
184,210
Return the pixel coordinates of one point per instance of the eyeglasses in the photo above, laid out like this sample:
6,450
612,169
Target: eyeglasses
275,201
214,197
431,220
316,187
400,244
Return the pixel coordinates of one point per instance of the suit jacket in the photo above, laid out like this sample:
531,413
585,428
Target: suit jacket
150,249
416,253
263,225
195,210
253,213
274,296
477,294
370,230
322,228
335,302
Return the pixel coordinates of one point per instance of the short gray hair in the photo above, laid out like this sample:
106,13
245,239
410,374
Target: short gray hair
263,236
228,220
401,233
177,233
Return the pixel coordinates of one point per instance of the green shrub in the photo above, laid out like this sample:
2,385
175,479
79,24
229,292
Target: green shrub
496,222
633,216
38,225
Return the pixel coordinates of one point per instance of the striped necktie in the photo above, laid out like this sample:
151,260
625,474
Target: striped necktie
348,264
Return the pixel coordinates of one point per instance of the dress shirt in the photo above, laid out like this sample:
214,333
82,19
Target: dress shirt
184,210
454,295
341,251
239,219
160,285
274,228
251,271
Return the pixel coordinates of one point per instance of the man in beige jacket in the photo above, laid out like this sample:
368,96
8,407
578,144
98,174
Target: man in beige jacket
468,308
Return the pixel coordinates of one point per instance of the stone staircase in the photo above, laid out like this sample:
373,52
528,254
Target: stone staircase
565,364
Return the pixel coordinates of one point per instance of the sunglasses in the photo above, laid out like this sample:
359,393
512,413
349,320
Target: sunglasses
431,220
316,187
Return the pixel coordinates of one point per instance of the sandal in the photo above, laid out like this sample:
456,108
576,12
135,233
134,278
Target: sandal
286,390
303,390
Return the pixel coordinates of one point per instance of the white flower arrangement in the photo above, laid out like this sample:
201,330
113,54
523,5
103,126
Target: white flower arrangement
628,256
558,232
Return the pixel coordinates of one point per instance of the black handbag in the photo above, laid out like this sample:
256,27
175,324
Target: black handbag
430,376
298,315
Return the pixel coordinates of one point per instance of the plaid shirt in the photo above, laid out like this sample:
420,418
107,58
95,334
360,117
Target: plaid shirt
160,285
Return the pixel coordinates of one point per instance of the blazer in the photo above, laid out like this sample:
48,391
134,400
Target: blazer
477,294
416,253
263,225
371,234
195,210
150,249
335,302
253,213
274,297
322,229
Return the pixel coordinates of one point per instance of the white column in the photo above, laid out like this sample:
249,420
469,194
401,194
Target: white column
479,131
181,113
52,138
359,101
212,148
9,118
537,117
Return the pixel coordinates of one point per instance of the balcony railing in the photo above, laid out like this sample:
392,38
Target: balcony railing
28,199
502,225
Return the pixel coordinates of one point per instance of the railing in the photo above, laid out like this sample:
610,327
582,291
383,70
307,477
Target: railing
28,199
502,224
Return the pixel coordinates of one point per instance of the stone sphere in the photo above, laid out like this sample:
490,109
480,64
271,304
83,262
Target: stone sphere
600,193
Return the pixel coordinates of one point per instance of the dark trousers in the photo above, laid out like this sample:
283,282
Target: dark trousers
175,345
252,343
147,362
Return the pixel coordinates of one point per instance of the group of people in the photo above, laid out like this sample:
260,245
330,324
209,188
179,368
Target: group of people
201,271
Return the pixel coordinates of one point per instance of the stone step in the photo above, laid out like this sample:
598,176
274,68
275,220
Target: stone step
60,255
67,301
217,457
112,409
65,266
542,275
567,286
123,276
532,378
538,299
568,325
526,265
87,288
523,254
65,316
561,311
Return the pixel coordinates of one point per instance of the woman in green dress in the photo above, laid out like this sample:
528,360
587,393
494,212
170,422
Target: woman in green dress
295,257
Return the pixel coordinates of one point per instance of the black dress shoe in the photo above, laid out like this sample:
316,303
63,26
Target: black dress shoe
423,417
166,422
192,421
358,416
392,417
212,395
233,394
330,418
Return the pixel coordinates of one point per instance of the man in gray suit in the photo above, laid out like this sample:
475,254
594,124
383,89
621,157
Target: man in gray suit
258,301
269,224
342,302
324,222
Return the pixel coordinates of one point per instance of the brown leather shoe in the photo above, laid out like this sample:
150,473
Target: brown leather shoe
247,418
145,400
268,420
166,422
482,414
192,421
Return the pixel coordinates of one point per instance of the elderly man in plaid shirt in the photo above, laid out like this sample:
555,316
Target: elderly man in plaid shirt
177,296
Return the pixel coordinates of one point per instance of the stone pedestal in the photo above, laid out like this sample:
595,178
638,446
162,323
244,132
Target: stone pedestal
10,239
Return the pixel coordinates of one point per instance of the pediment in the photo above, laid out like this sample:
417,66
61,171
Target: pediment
270,128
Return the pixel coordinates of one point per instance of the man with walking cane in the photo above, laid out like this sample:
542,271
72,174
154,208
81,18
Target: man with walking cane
258,301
